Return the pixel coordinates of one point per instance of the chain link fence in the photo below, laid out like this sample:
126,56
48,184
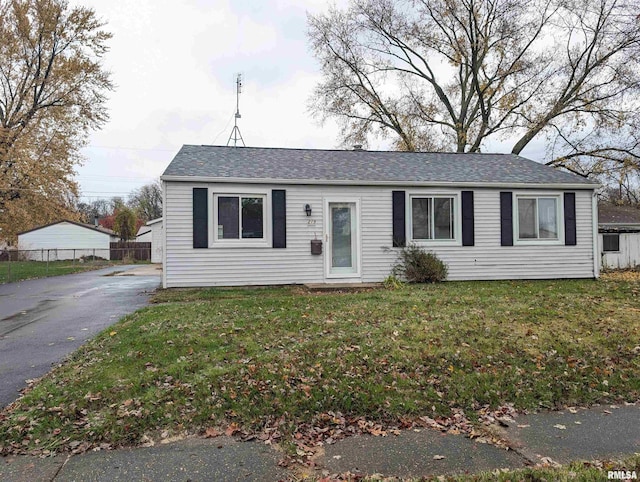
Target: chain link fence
21,264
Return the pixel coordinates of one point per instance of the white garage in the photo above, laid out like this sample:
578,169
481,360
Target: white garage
66,240
619,228
152,232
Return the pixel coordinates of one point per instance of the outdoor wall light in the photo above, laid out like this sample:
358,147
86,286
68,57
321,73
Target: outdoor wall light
307,209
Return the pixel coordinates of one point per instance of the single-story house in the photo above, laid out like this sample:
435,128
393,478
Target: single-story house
152,232
619,228
66,240
265,216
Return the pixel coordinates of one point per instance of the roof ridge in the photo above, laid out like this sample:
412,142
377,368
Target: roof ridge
357,150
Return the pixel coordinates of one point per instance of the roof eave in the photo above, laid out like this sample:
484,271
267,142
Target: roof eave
606,223
92,228
240,180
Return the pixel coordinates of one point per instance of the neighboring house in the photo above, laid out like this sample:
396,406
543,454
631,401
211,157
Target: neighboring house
66,240
152,232
619,242
255,216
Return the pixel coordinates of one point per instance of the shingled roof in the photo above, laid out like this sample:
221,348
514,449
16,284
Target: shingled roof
361,167
615,215
100,229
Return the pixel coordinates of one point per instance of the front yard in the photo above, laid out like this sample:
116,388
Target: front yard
290,365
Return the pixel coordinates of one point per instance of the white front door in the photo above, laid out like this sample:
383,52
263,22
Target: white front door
342,238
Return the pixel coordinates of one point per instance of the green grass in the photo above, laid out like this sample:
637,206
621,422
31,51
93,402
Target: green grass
576,471
21,270
212,357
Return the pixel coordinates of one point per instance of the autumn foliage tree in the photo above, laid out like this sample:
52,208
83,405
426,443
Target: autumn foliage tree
52,95
125,224
455,74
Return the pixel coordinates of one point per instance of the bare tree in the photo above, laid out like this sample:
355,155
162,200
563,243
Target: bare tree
452,74
147,201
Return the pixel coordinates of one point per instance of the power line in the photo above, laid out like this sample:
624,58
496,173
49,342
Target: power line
95,146
108,180
125,148
117,177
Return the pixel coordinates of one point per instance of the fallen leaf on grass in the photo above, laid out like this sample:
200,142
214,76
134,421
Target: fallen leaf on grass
231,429
92,397
549,461
377,432
211,433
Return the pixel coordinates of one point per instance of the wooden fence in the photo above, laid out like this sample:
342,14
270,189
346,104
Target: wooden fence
130,250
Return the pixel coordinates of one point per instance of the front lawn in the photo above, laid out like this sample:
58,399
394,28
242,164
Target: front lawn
283,362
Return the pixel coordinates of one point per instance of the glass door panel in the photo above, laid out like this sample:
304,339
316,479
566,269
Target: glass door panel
342,235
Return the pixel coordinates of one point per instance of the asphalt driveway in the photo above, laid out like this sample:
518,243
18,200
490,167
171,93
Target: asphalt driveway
42,321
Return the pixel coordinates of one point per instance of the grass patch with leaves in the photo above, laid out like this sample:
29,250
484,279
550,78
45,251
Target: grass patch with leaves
247,358
22,270
592,471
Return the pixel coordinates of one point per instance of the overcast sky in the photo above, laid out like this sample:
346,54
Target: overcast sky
174,64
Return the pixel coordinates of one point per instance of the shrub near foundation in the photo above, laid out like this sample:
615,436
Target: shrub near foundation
416,265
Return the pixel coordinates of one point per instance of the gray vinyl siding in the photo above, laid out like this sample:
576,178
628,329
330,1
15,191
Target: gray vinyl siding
157,238
228,266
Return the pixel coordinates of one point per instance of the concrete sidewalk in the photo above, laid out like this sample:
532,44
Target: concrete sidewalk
597,433
140,270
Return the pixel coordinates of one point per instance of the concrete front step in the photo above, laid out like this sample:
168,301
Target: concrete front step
341,286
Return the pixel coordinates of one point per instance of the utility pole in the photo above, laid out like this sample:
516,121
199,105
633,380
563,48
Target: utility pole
235,135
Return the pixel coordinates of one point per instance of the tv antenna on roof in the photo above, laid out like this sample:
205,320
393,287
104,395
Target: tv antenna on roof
235,135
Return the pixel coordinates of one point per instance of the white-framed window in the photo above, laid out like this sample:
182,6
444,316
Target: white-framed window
239,218
433,218
538,218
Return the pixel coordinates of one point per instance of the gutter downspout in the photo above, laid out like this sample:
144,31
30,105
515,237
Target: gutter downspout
596,247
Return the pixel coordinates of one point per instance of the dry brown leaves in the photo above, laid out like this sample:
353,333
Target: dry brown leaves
628,275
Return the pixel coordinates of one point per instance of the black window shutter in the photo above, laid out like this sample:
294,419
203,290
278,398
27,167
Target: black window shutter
570,219
279,217
399,229
200,217
468,223
506,219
